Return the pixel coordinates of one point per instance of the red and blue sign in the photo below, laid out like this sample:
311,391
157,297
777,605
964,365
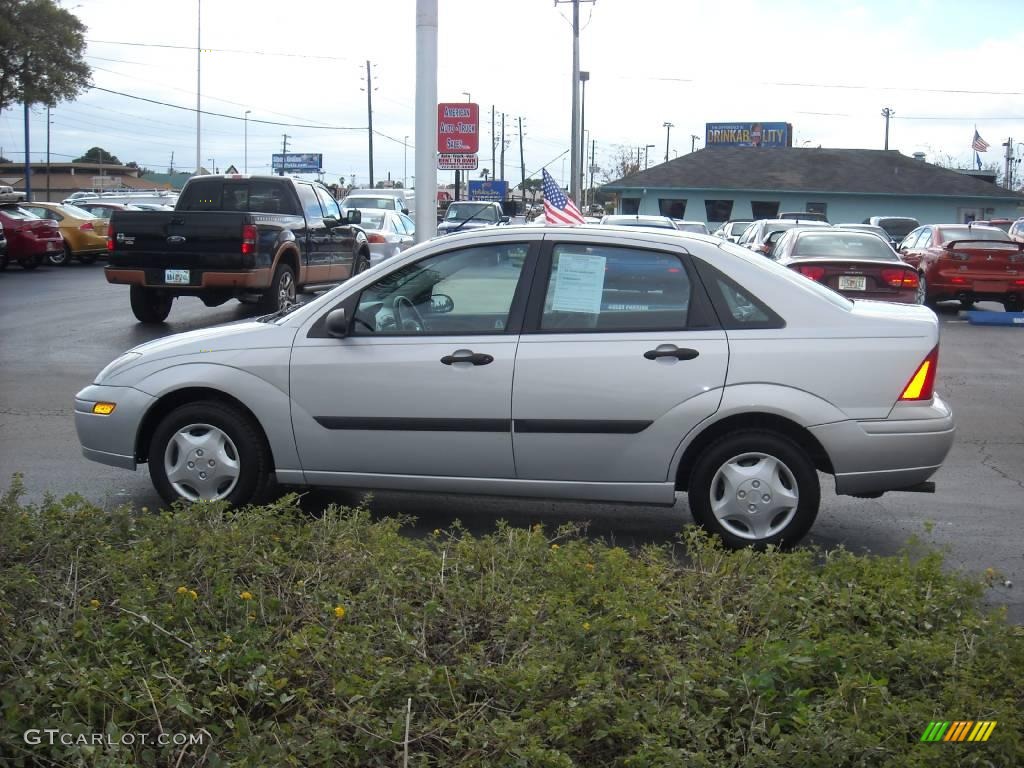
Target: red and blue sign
748,135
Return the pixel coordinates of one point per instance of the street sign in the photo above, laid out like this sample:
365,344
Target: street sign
458,128
447,161
297,162
491,190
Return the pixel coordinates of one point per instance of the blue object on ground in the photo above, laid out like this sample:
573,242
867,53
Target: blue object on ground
980,317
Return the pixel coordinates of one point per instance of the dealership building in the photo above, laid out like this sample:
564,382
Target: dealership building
752,171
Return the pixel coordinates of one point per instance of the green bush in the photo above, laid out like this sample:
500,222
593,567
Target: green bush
282,639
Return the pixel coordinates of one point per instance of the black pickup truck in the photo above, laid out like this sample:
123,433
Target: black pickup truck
258,239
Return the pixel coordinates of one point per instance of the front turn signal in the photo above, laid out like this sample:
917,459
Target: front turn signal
103,409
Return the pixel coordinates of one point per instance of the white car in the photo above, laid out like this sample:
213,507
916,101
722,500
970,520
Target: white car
388,233
620,365
9,195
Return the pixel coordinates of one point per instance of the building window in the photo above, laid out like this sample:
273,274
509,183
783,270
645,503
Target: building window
821,208
675,209
631,206
718,210
764,209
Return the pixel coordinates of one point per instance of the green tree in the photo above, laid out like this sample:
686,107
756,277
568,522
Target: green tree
98,155
41,58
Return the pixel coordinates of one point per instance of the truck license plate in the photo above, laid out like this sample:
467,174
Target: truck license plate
852,283
176,276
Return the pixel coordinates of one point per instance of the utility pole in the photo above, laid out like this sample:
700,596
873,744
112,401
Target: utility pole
694,138
171,170
887,113
199,76
638,157
575,147
584,77
405,163
522,163
28,160
1008,172
245,164
284,152
502,146
426,120
668,132
494,143
645,156
48,124
593,145
369,116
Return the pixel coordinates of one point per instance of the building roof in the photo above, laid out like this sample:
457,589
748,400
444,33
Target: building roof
807,169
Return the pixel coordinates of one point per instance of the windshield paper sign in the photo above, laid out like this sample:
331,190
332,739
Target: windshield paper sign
748,135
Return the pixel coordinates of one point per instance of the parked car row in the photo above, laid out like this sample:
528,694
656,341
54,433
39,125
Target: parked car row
54,233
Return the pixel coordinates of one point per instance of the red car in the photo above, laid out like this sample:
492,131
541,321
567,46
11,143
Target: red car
29,238
967,262
859,265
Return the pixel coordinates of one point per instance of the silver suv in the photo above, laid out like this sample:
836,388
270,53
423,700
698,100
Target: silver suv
592,362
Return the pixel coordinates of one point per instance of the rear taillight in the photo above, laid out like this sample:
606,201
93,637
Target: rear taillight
248,239
87,227
110,237
376,237
815,273
922,382
900,278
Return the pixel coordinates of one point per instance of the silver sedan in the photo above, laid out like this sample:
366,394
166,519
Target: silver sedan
592,362
388,233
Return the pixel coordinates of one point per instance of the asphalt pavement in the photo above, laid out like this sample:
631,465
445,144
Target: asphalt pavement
60,326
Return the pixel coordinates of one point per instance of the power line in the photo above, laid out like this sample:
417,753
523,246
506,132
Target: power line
222,50
842,86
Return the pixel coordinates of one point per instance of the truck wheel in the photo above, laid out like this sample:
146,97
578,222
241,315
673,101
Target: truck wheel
754,489
3,262
150,306
362,263
281,293
210,451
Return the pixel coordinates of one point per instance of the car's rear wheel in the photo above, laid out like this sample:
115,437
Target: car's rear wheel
361,263
150,306
966,304
87,258
28,264
922,290
754,489
282,291
210,451
1013,305
59,258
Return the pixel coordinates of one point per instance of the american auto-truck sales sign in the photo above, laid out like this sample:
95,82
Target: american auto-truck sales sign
458,128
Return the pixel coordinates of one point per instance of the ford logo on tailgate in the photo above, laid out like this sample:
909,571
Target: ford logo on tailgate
176,239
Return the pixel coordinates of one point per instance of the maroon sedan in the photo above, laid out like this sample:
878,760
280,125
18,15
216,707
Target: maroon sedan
859,265
29,238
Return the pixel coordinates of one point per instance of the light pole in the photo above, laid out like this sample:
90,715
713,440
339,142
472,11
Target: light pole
694,138
645,154
405,162
668,132
887,113
584,76
213,165
246,118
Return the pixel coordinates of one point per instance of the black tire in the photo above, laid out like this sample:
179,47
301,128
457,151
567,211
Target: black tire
282,291
922,290
3,262
28,264
793,473
246,445
88,258
1013,305
150,306
362,263
966,304
59,258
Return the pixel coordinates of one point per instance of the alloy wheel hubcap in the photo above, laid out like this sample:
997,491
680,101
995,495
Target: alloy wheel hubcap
201,463
285,291
754,496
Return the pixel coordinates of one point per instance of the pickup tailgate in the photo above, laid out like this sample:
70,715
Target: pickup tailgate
180,240
984,266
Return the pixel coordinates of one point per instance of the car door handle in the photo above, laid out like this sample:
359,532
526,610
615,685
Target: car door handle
467,356
679,353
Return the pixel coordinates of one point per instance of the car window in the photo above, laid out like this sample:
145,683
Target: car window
607,288
328,204
410,225
924,239
381,203
372,219
468,291
310,203
947,234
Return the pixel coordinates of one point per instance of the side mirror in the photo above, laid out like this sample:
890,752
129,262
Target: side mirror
441,303
337,323
405,211
354,216
330,222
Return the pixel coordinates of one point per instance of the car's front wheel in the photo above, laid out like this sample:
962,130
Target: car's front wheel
210,451
922,290
755,488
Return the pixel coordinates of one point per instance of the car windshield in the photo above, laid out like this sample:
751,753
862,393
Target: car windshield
77,212
843,245
898,228
371,219
379,203
947,234
463,211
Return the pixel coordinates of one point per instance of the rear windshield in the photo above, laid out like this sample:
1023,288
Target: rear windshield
382,203
77,212
691,228
898,228
634,221
843,245
247,195
371,220
18,213
947,234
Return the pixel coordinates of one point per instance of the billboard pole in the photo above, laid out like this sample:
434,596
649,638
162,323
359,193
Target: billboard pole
426,119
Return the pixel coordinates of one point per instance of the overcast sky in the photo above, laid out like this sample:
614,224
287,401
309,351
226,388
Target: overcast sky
827,68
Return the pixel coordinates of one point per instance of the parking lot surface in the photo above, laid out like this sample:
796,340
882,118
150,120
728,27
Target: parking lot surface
62,325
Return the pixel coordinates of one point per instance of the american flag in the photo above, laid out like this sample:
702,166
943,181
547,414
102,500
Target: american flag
979,144
558,208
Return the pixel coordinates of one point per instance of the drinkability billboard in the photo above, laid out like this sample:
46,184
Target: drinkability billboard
748,135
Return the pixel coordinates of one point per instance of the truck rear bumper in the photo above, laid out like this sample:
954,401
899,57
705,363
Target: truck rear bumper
242,280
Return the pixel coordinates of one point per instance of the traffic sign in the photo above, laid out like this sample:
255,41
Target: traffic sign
447,161
458,128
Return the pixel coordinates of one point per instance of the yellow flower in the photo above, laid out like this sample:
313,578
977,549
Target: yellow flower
554,546
339,611
182,590
145,510
247,595
94,603
538,528
193,594
437,532
589,566
252,617
586,626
